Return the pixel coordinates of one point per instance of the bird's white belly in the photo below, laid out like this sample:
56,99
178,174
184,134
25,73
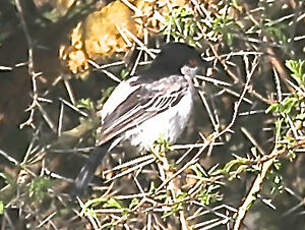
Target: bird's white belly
168,125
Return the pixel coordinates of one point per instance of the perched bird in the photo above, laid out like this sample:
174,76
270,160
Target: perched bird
157,102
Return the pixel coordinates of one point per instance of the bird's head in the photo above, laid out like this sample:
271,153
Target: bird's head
177,57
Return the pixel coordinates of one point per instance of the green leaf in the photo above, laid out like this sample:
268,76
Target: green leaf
288,105
196,170
277,32
8,179
2,207
272,108
124,73
208,196
95,202
182,25
113,203
38,188
233,163
134,202
298,70
85,103
278,128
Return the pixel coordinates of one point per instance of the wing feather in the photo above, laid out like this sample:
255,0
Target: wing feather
144,102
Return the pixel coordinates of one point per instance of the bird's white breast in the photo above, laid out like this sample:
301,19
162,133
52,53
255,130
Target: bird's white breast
168,124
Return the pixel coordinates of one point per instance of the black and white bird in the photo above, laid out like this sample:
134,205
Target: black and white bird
157,102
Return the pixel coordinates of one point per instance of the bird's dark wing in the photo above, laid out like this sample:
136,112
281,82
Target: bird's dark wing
144,102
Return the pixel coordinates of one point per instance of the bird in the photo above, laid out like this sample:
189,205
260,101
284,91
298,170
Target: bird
157,102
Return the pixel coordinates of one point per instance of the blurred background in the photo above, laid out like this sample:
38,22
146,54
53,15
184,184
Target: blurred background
61,59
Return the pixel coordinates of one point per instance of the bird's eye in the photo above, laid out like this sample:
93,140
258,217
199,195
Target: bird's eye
193,62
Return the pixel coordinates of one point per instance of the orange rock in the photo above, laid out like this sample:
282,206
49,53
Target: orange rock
101,34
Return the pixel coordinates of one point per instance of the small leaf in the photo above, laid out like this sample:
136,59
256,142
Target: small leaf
124,73
2,207
298,70
113,203
85,103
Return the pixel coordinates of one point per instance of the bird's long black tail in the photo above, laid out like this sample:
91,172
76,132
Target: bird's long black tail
86,173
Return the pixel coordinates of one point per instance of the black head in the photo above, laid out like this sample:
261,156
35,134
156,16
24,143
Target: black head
171,59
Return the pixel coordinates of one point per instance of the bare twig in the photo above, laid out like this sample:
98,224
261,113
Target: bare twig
256,187
31,70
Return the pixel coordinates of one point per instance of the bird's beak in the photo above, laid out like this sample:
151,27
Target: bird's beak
190,70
